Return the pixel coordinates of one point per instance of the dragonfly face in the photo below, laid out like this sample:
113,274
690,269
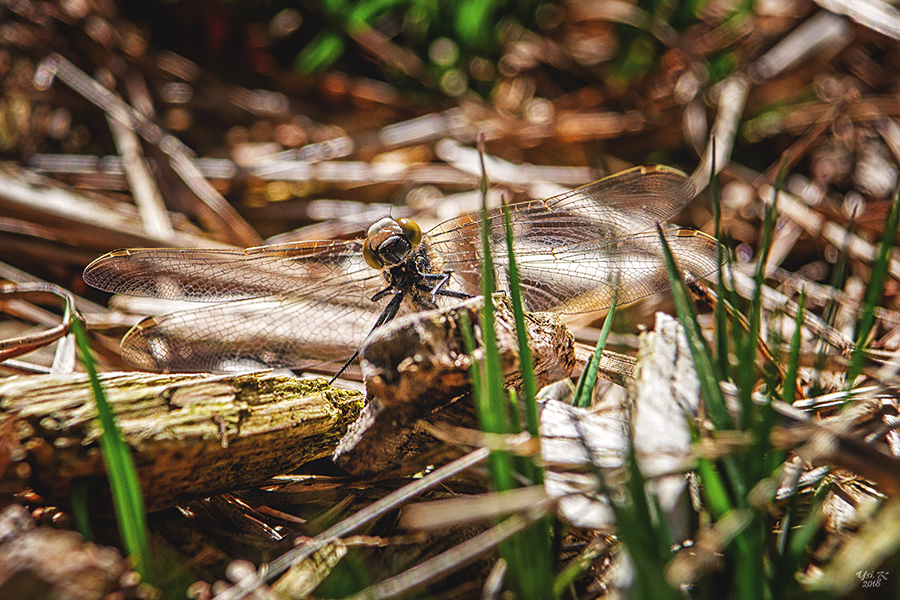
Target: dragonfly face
389,242
307,303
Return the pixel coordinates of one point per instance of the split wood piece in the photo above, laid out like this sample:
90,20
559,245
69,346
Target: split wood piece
190,434
418,365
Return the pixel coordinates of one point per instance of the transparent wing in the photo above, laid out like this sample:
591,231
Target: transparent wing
573,248
291,305
285,330
584,277
222,275
632,201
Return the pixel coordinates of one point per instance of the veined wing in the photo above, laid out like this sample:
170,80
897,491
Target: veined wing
284,330
632,201
572,248
291,305
223,275
584,276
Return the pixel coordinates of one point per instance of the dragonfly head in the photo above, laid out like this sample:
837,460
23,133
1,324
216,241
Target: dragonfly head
389,242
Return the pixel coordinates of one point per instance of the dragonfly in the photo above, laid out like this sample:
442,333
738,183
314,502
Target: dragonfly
312,303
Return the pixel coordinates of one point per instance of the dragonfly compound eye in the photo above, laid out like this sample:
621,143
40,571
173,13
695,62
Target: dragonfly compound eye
411,230
371,256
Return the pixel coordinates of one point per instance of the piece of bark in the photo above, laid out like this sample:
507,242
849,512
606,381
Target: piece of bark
666,399
190,434
418,364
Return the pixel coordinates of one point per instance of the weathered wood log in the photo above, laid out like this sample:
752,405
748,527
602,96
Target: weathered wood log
190,434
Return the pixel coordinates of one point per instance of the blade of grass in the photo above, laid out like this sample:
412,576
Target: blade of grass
529,553
596,548
491,405
645,531
526,363
758,417
321,52
802,538
749,555
774,457
829,313
514,551
875,290
80,509
793,541
123,481
786,563
746,374
536,545
789,394
714,489
707,373
585,389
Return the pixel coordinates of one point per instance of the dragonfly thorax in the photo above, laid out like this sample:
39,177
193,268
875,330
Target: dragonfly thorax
391,242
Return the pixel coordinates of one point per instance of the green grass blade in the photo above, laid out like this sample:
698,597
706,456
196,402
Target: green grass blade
585,389
747,350
473,22
759,418
707,370
789,393
578,566
837,281
802,538
80,509
491,406
321,52
875,289
715,491
123,480
775,458
526,362
794,542
639,526
529,553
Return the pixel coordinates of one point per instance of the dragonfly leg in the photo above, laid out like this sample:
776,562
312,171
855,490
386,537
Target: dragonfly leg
440,284
454,294
438,288
389,312
383,293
